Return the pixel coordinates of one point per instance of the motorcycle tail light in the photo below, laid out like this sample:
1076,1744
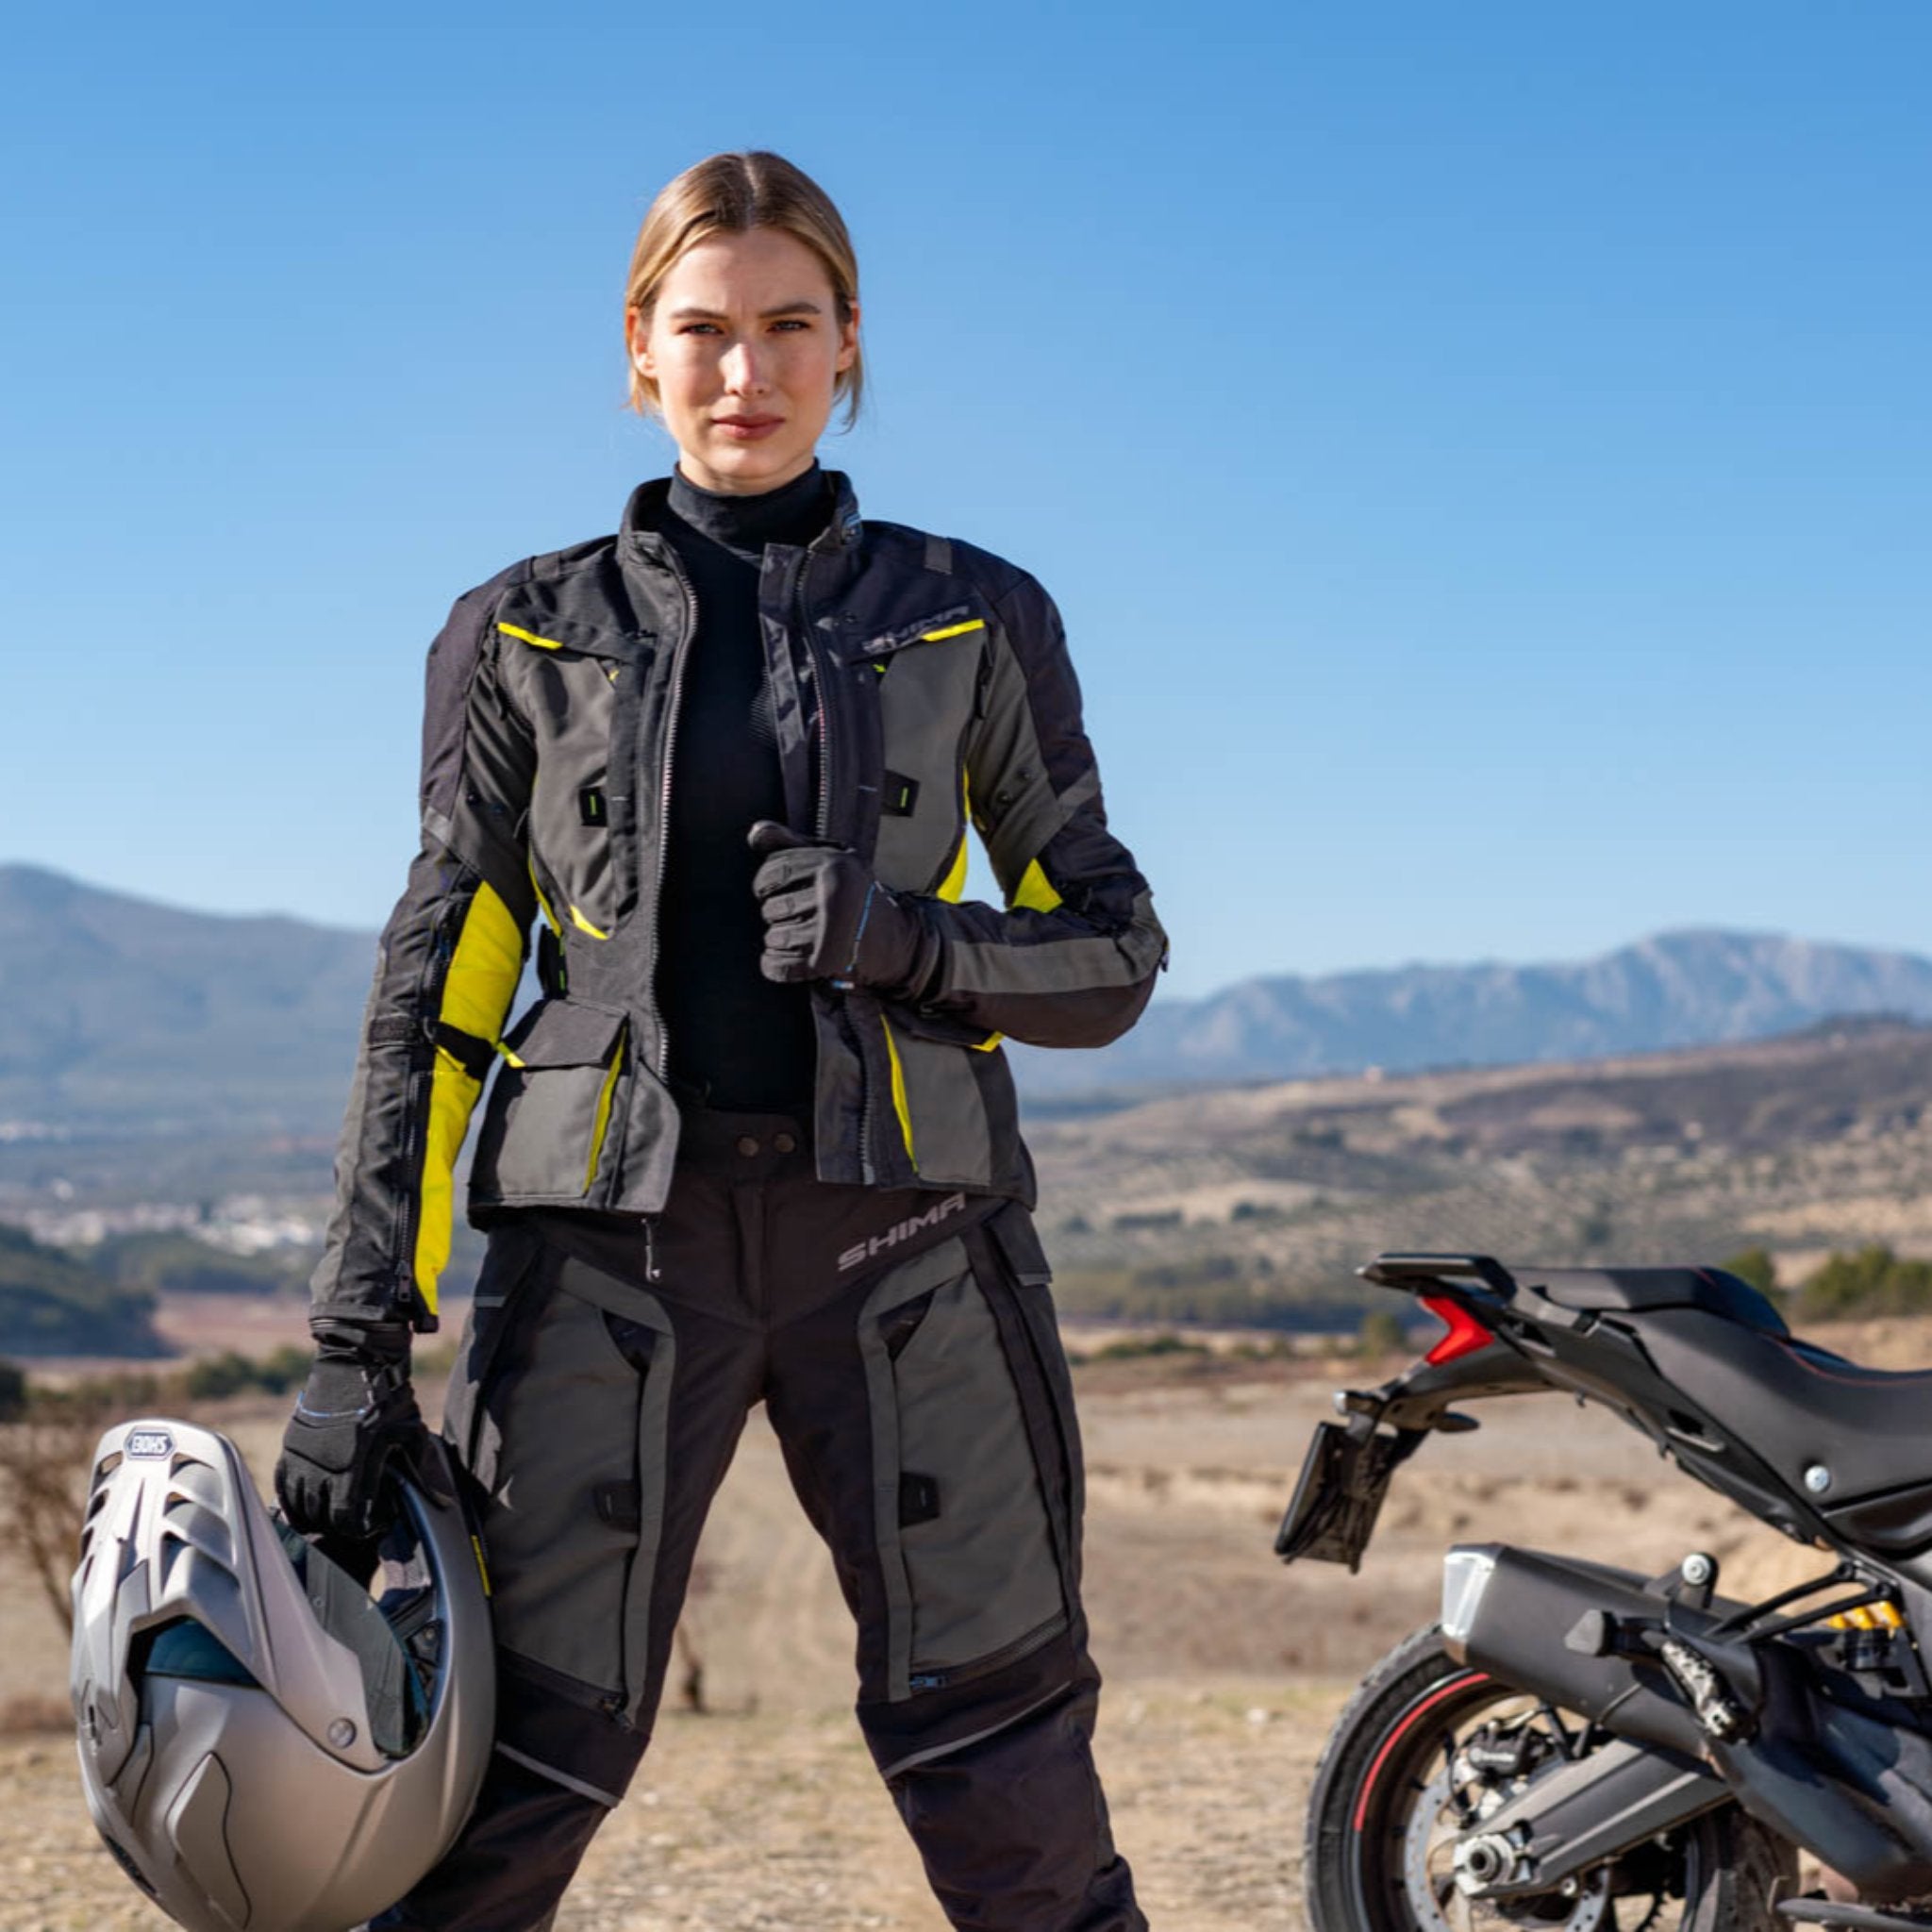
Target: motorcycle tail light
1466,1334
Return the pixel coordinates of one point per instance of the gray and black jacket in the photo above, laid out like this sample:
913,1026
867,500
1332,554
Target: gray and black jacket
917,684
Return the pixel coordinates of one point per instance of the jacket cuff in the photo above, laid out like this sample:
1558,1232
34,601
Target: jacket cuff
365,1340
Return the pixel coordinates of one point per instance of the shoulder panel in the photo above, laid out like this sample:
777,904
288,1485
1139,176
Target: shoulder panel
454,658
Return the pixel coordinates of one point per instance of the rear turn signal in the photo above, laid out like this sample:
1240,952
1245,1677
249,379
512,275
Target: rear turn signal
1466,1334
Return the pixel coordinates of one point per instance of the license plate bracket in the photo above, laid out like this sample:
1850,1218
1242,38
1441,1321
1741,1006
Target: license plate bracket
1345,1478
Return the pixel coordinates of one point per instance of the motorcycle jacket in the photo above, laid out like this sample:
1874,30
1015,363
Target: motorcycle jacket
918,686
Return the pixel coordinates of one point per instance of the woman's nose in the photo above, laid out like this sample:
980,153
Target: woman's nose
744,369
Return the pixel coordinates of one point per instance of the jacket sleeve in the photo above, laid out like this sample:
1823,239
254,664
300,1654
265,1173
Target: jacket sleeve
446,970
1070,959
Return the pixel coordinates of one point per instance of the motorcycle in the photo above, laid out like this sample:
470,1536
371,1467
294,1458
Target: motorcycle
1579,1748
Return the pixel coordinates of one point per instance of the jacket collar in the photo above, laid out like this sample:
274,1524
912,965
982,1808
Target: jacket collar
642,528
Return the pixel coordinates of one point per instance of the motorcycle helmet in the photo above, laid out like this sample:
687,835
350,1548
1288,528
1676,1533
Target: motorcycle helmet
270,1742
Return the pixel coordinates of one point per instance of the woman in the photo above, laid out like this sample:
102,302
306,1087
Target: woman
756,1140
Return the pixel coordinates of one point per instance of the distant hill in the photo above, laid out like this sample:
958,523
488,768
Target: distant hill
1678,989
118,1014
121,1016
1226,1203
53,1304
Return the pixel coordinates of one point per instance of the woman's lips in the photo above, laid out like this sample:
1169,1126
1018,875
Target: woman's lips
748,428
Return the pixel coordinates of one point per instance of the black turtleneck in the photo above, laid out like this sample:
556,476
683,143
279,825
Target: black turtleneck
737,1040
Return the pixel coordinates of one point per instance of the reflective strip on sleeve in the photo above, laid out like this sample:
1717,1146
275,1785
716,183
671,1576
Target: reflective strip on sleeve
485,967
1035,891
899,1105
452,1099
952,630
481,982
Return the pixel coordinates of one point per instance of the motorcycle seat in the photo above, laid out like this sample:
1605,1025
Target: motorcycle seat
1636,1290
1855,1442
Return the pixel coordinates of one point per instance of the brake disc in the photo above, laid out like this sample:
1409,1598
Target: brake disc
1440,1905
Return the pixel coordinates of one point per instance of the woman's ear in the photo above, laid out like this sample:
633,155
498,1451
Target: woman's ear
848,338
638,332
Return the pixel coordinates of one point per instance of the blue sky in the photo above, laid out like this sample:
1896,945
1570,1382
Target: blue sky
1483,454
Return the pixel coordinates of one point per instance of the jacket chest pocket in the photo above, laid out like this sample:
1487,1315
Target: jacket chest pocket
924,686
582,691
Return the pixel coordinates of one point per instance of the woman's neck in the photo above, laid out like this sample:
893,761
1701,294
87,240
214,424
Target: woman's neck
795,513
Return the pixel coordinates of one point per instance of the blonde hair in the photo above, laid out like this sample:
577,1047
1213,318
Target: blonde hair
728,194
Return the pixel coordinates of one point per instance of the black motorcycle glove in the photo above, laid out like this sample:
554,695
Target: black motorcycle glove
827,917
355,1420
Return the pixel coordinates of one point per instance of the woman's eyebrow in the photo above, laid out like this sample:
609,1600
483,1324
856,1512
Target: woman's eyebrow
689,312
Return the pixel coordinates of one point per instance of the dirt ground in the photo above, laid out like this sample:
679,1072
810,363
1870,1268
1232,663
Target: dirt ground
1224,1670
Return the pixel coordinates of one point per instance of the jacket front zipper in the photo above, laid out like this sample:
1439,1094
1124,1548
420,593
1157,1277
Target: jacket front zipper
821,819
822,826
679,654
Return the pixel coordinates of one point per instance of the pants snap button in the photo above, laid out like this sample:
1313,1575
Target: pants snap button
784,1143
746,1145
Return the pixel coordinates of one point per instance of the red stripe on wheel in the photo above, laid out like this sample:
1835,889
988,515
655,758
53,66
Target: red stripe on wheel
1401,1731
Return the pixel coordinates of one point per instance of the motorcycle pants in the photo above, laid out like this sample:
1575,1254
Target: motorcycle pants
904,1344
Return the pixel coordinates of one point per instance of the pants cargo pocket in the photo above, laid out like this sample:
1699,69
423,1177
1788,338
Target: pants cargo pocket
1011,1250
970,1551
508,1291
575,1509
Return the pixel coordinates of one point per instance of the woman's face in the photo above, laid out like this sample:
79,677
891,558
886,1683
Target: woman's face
745,346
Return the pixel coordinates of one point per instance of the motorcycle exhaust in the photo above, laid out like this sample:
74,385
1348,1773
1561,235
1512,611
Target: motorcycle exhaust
1567,1631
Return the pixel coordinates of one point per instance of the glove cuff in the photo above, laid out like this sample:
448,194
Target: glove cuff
370,1345
897,952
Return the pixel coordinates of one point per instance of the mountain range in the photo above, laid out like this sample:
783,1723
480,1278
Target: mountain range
120,1015
1676,989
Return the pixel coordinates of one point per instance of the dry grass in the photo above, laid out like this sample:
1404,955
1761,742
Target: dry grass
1223,1669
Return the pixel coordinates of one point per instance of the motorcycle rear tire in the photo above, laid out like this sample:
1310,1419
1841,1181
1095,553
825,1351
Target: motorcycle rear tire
1360,1862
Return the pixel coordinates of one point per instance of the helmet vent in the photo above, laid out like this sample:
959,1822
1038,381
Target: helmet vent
194,1522
197,1545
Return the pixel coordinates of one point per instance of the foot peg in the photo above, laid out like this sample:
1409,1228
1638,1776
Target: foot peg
1853,1918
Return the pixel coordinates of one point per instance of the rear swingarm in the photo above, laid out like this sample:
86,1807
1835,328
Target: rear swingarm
1671,1676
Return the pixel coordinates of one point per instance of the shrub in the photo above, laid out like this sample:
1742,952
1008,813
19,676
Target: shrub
216,1375
1873,1281
1254,1210
1163,1217
1757,1266
1380,1335
1130,1347
229,1374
